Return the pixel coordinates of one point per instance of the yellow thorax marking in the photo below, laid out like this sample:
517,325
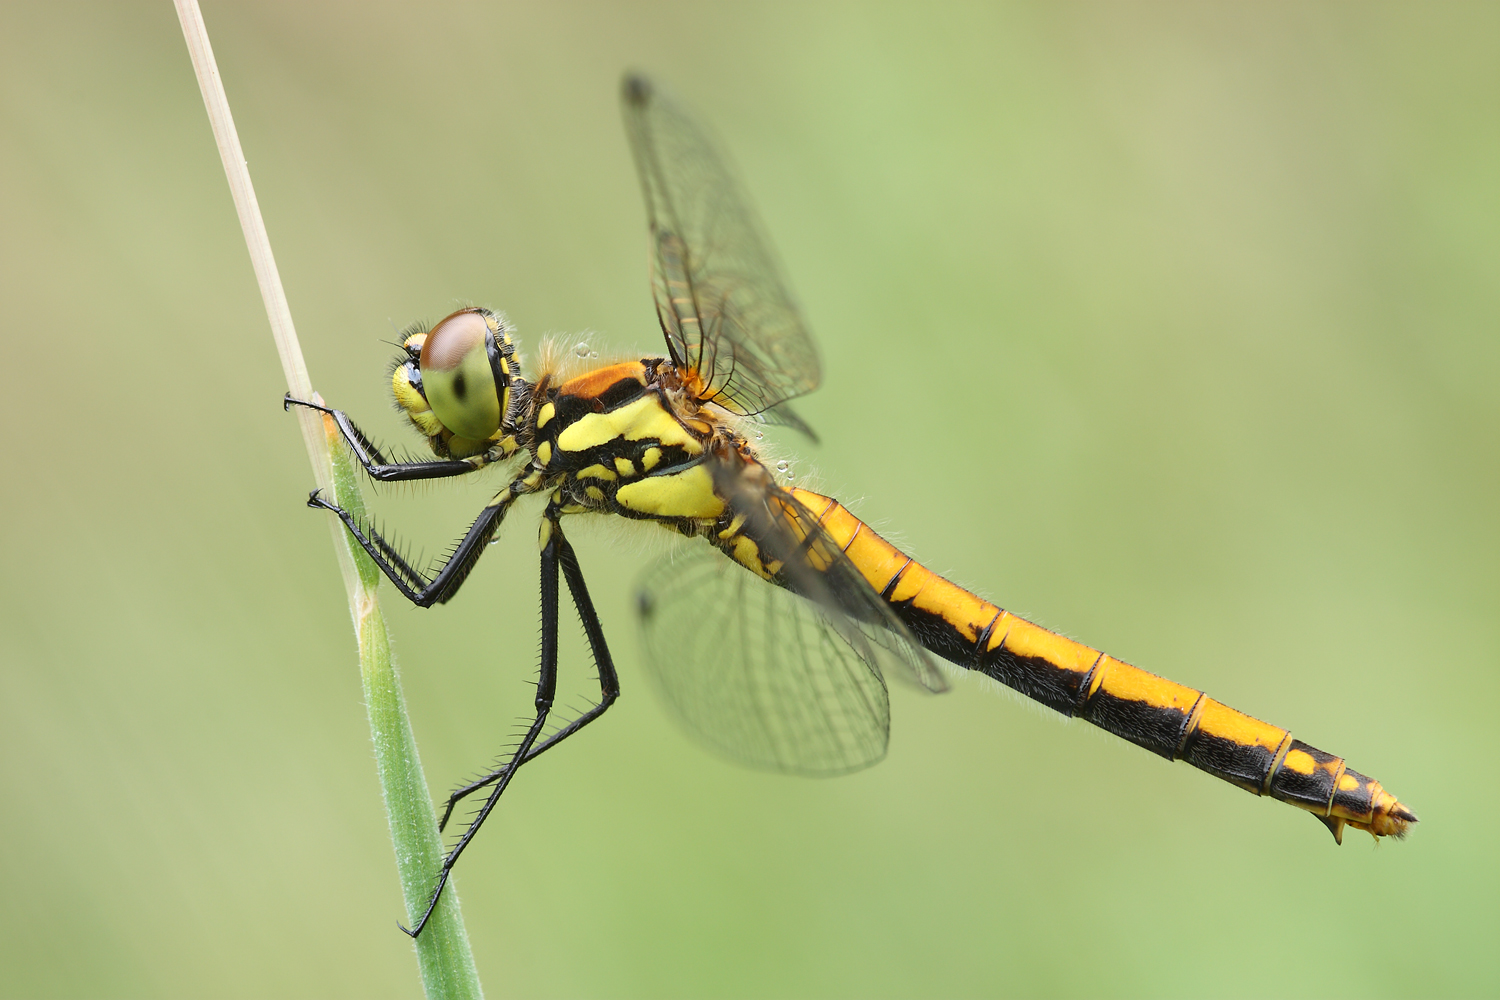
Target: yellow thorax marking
643,419
597,472
747,554
544,415
689,493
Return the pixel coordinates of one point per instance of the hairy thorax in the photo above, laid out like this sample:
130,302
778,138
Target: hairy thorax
631,439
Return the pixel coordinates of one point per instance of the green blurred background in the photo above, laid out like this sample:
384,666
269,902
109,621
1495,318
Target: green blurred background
1171,326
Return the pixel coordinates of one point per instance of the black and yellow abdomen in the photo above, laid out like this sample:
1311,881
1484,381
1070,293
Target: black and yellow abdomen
1167,718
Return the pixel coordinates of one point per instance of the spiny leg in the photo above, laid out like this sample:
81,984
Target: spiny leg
609,682
375,463
414,585
546,691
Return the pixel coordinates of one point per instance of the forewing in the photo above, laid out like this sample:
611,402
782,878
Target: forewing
723,304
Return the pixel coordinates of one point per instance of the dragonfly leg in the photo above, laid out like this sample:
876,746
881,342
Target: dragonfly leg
546,691
374,461
609,681
416,586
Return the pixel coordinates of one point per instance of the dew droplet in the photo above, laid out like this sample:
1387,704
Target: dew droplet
582,350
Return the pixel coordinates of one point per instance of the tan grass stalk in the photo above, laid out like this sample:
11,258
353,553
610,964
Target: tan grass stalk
443,954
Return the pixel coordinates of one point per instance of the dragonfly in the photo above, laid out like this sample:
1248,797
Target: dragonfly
772,628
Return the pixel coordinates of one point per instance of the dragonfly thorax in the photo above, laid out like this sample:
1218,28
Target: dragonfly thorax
621,439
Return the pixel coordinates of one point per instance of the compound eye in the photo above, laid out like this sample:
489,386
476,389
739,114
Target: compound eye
457,377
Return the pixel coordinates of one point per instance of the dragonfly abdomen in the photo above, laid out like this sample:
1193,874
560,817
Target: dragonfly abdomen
1167,718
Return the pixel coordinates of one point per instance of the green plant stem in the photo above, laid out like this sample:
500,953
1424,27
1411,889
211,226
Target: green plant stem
443,954
443,948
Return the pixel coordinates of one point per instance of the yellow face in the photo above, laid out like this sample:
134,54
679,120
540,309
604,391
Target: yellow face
455,385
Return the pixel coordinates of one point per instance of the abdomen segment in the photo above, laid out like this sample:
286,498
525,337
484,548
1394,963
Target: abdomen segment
1169,719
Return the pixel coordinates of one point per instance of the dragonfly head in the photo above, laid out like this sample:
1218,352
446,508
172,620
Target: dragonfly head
457,381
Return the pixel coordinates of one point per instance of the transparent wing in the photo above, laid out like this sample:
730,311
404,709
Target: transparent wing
722,302
758,673
801,557
785,673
